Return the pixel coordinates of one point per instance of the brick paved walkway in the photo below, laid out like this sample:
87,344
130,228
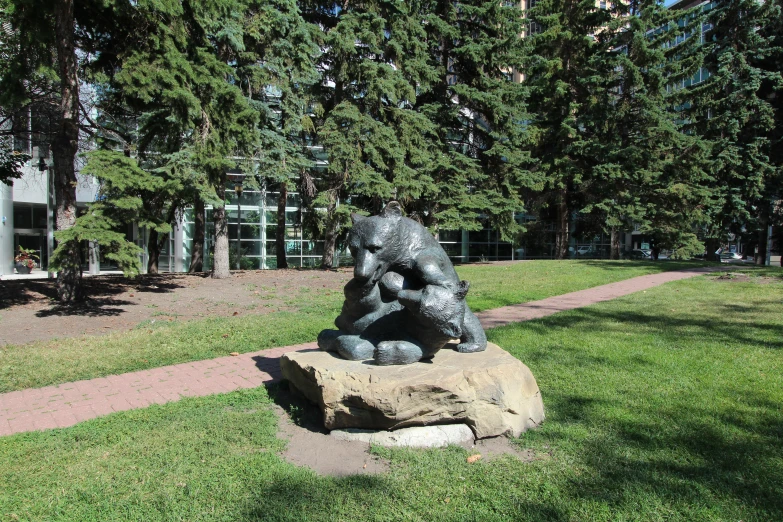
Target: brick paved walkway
70,403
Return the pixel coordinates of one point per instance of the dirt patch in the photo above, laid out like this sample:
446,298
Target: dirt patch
740,277
324,454
28,311
733,278
497,446
310,445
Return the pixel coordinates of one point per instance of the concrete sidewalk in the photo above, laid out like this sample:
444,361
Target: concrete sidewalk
67,404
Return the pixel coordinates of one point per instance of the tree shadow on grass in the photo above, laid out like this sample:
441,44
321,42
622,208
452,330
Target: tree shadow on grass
686,327
686,459
302,496
657,266
689,445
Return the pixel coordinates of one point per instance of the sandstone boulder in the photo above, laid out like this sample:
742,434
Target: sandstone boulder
490,391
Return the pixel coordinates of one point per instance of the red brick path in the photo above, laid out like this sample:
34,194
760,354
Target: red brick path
67,404
560,303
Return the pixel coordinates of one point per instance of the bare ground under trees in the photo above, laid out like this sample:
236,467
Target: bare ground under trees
29,310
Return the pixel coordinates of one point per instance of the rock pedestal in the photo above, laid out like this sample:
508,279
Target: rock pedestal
490,391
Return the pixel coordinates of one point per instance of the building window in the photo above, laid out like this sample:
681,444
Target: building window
535,27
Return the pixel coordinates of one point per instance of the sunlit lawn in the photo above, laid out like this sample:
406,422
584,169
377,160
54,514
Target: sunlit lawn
662,405
160,343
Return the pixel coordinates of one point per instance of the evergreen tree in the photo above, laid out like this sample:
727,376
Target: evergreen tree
732,111
41,67
479,164
132,194
772,90
564,64
417,106
48,31
279,69
648,173
11,161
202,75
363,104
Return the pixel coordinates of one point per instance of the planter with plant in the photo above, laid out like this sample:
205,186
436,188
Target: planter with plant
25,260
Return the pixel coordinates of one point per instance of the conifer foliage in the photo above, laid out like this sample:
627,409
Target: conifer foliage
648,173
734,110
41,66
480,166
416,104
620,115
564,63
11,161
215,86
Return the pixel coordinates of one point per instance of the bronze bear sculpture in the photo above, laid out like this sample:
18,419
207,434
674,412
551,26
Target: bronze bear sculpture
405,301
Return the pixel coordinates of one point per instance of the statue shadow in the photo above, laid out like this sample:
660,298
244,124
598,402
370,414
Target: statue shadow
301,411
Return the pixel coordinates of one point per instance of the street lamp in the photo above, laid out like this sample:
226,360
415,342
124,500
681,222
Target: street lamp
236,177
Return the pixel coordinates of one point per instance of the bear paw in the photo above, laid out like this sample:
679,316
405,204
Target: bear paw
327,340
388,353
354,348
470,348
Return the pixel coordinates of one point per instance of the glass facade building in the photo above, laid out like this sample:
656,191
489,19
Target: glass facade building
256,231
254,234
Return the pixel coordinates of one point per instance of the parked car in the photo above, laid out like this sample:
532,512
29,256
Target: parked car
586,251
637,253
733,257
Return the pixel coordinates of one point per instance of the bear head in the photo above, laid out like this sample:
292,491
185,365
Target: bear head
375,243
440,308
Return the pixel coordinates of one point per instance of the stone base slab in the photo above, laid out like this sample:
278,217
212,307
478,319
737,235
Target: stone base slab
415,437
490,391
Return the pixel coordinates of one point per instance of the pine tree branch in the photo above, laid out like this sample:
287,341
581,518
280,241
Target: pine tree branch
99,126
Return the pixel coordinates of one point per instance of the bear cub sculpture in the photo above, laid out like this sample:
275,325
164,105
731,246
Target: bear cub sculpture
405,301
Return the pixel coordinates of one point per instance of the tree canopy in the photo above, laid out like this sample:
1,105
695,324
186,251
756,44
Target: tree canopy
619,116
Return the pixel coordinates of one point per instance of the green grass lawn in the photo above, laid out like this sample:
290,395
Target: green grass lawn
160,343
493,285
662,405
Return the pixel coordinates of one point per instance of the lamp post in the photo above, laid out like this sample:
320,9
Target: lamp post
236,177
43,166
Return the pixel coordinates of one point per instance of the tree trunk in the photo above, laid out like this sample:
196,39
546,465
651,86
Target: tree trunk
220,268
197,254
614,248
330,238
749,250
153,252
64,148
712,244
561,235
282,262
761,258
